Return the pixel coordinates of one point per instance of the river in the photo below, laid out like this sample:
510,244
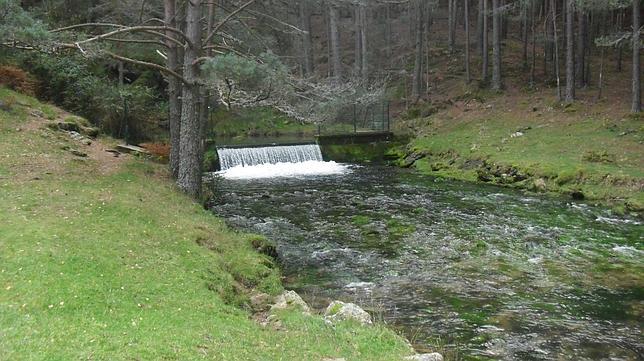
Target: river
474,271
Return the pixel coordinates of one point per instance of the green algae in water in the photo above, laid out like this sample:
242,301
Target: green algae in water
487,270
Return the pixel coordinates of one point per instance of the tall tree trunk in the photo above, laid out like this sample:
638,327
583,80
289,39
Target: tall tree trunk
548,46
636,106
582,29
174,90
451,26
357,37
466,9
496,46
534,44
307,50
189,180
388,33
418,63
335,42
570,51
524,35
363,43
485,60
553,9
479,28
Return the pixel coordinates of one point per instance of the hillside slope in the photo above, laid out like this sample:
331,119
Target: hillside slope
100,258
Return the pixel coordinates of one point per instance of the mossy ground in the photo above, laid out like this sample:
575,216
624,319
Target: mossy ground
111,262
591,147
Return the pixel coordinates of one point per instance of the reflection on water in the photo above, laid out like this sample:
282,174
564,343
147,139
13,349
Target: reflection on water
491,273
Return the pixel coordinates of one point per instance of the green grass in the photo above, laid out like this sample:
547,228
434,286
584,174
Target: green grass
599,155
119,265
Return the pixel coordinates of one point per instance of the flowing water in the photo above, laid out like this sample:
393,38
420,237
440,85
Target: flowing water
478,272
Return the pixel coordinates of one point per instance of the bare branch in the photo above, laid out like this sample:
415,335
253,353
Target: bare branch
149,65
226,19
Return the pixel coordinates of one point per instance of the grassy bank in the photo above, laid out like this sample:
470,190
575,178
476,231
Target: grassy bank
527,140
101,258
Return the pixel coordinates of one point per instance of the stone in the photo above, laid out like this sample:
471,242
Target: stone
260,302
37,113
90,131
290,299
341,311
540,185
78,153
434,356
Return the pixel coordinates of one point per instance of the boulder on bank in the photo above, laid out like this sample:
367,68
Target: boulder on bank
341,311
290,299
434,356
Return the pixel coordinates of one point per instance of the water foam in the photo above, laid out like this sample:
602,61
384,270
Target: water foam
301,169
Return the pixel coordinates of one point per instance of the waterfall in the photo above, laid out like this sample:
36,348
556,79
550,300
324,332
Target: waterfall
276,161
233,157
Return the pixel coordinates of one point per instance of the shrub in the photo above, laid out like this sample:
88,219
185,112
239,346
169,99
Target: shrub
17,79
133,112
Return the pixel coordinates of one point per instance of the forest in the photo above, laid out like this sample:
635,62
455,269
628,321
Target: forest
436,179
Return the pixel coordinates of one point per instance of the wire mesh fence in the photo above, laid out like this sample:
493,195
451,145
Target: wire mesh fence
355,118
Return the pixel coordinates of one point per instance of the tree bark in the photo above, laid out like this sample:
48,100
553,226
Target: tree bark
174,90
524,35
553,9
189,180
485,60
363,43
418,63
451,32
570,51
335,42
479,28
307,51
636,106
357,37
466,10
582,29
496,46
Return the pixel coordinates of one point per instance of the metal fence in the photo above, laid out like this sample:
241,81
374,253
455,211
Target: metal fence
359,118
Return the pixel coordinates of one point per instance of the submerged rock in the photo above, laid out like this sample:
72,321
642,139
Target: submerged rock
340,311
290,299
434,356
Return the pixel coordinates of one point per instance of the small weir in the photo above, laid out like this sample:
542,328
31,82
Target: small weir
275,161
233,157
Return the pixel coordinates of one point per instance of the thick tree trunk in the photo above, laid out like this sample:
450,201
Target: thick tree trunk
496,46
335,42
636,106
570,51
307,50
485,60
174,90
466,10
189,180
418,63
